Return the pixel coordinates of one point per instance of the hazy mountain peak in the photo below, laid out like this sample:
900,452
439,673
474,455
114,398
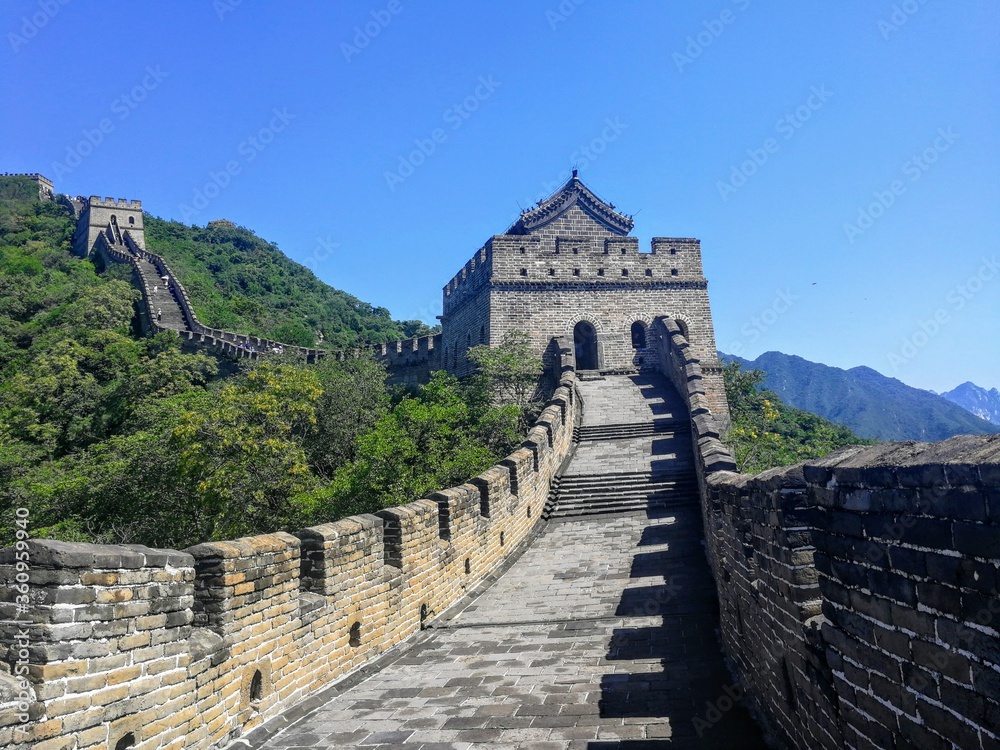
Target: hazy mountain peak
867,401
977,400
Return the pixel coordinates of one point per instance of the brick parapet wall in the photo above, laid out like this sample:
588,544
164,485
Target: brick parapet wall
858,593
908,552
191,649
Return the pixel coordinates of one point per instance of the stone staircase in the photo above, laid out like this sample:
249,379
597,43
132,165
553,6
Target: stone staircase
161,299
633,451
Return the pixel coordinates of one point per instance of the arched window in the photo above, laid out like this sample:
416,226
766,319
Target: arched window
638,335
256,687
131,220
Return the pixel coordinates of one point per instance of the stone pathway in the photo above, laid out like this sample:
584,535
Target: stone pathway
602,635
161,298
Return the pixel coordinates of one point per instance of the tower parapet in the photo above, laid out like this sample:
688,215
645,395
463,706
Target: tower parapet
99,213
569,267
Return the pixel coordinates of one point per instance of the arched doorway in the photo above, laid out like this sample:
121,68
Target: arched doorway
585,343
638,335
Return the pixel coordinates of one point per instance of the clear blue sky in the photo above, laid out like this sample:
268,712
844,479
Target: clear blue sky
834,101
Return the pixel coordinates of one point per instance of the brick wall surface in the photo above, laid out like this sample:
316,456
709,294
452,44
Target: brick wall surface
858,593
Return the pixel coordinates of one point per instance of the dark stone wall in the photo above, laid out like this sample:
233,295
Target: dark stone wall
858,593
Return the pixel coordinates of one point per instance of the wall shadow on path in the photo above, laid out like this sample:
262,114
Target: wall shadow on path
685,700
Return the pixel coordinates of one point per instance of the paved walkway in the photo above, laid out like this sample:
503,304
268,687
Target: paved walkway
602,635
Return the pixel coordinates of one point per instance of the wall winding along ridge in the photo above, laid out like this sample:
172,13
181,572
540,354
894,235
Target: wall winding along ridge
409,362
190,649
858,592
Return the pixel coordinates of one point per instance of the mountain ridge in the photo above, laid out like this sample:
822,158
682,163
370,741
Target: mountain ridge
871,404
983,402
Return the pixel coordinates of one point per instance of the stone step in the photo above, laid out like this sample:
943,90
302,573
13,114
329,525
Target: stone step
613,432
614,491
610,502
596,480
603,508
161,300
619,490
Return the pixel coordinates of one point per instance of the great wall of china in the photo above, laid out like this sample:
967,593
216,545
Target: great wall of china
855,596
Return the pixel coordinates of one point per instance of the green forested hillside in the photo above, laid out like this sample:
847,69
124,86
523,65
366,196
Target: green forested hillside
767,433
868,402
239,282
108,437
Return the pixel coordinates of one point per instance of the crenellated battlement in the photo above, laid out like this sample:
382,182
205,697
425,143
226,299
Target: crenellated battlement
123,203
192,649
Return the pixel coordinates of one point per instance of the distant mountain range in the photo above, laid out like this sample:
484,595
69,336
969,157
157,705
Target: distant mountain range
981,402
871,404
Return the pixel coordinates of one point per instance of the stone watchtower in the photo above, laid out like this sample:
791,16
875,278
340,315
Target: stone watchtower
98,215
568,267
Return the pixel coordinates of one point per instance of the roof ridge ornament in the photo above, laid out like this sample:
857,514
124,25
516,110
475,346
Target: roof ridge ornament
574,192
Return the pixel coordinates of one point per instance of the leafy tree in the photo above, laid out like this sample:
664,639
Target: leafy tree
510,373
354,398
244,454
436,438
766,433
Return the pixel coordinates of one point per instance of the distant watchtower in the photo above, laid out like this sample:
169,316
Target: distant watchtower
568,268
46,191
99,215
